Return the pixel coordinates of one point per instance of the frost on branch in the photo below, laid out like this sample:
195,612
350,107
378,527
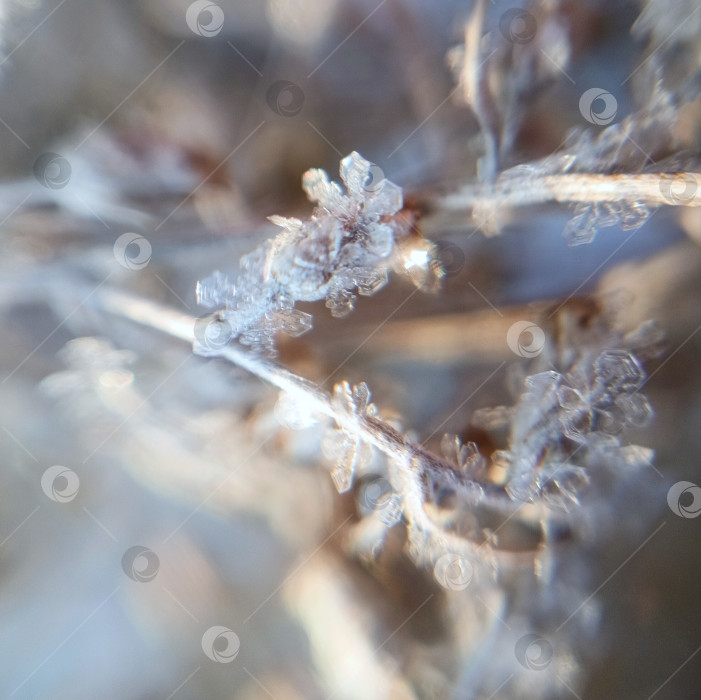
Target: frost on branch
589,218
613,174
344,249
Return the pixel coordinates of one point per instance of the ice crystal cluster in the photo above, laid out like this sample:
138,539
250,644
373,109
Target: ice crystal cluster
566,424
341,251
635,144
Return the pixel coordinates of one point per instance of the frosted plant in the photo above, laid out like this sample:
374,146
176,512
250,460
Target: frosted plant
344,249
566,432
614,177
508,517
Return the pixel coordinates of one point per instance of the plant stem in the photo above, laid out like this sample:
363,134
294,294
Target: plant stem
521,190
417,465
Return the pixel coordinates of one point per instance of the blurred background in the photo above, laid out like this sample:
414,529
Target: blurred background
163,534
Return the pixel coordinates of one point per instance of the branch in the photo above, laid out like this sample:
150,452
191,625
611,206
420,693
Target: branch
510,189
416,465
476,92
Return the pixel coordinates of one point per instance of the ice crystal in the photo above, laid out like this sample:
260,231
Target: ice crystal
619,369
492,417
353,400
466,456
559,485
341,251
636,457
293,322
214,291
340,302
344,447
589,218
605,400
348,454
368,196
370,280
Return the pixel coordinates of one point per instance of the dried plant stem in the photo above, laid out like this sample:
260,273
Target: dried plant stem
476,91
416,464
512,190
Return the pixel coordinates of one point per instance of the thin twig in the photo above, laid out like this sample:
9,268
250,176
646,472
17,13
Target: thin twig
477,93
521,190
418,466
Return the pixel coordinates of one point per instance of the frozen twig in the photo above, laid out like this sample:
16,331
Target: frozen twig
476,91
417,466
511,189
